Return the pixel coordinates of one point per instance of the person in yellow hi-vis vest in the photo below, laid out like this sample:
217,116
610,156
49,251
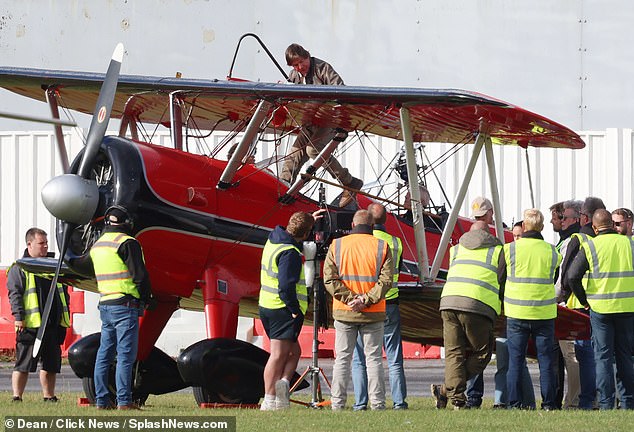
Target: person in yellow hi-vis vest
530,307
392,342
583,348
124,286
565,215
357,274
27,296
606,262
283,303
469,305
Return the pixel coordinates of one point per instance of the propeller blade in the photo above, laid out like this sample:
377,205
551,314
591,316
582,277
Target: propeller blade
52,292
30,118
103,109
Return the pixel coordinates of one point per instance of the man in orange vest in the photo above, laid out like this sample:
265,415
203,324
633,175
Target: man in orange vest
357,274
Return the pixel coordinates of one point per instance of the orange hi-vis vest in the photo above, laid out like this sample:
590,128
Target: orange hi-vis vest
359,258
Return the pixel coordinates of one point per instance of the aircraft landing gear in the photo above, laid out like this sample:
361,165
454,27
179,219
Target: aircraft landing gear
88,384
156,374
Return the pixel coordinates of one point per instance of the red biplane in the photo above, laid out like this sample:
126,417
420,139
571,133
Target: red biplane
203,221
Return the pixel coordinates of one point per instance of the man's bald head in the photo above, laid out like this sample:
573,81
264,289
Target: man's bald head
479,225
602,220
378,213
362,217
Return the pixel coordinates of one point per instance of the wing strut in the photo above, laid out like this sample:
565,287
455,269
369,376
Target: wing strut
495,193
59,135
322,158
243,147
176,121
128,120
414,190
453,216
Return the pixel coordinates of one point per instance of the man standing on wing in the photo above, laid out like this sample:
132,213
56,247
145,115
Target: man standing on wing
312,139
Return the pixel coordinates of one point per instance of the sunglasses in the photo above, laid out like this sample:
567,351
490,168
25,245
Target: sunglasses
618,224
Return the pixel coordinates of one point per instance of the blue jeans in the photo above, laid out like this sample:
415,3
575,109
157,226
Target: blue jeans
120,337
612,336
587,374
393,351
527,394
475,390
543,333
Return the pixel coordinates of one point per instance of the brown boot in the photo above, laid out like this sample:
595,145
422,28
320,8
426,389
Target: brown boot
348,196
131,406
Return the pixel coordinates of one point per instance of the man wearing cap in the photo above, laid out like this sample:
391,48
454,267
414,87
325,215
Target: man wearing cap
605,263
469,305
482,210
124,286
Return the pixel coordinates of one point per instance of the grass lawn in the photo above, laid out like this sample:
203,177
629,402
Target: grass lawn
422,416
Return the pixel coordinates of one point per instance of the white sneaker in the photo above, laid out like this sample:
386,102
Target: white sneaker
267,405
282,394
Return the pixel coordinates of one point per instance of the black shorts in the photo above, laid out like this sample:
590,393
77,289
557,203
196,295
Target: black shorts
280,324
50,355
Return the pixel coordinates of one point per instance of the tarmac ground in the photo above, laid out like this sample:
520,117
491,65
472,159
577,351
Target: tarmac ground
419,374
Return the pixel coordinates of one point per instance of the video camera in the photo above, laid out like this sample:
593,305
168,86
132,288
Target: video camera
332,226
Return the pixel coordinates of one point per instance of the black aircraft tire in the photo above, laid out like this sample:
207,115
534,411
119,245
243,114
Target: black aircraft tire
88,384
202,395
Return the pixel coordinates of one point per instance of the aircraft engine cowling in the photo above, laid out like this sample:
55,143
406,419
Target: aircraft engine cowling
115,178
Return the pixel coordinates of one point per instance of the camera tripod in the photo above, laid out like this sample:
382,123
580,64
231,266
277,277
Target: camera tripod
317,400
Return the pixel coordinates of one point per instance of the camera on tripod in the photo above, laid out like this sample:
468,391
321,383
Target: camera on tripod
332,226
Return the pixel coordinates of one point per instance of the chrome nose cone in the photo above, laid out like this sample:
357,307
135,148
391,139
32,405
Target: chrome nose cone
71,198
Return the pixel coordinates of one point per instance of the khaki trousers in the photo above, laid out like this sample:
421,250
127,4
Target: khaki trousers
345,339
310,141
469,343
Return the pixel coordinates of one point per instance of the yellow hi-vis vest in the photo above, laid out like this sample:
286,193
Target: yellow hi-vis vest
573,302
396,246
32,315
530,291
269,284
113,278
611,276
473,273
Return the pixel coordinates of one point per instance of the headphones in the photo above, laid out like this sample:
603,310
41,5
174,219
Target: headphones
127,218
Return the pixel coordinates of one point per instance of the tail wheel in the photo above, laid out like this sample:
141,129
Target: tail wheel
203,395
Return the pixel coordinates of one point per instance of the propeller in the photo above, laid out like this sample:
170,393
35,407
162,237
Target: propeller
30,118
73,198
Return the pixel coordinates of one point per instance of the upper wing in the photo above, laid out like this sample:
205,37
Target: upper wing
436,115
